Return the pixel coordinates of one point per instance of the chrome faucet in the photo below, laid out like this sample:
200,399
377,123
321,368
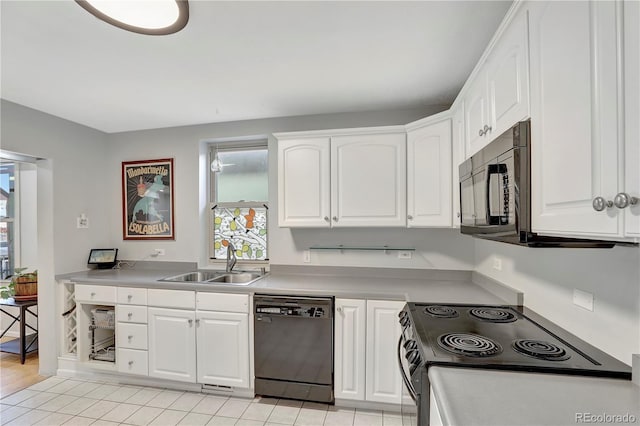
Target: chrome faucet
231,257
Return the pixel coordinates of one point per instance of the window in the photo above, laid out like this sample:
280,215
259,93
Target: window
239,200
7,218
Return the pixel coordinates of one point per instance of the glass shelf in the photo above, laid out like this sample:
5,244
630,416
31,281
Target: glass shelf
353,248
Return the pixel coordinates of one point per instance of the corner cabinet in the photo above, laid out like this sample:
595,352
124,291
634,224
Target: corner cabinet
342,178
429,173
579,146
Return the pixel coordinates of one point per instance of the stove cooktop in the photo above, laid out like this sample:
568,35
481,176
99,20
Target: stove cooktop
503,337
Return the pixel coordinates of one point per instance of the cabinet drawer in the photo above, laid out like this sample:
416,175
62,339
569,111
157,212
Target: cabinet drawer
131,336
95,293
132,296
133,361
130,313
171,298
223,302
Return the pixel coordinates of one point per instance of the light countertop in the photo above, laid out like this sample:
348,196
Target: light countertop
365,283
500,398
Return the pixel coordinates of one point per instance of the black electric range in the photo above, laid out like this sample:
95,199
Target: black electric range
493,337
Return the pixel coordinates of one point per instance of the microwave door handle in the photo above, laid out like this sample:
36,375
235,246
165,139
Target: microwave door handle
407,382
492,169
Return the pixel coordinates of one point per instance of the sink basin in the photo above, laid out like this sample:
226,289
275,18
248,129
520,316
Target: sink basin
239,278
194,277
216,277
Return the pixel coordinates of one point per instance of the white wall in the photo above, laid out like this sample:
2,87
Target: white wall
70,180
548,276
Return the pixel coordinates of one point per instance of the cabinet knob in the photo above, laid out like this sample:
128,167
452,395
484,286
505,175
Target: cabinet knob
487,129
190,322
458,214
599,204
130,315
410,217
339,309
335,218
326,218
130,363
130,337
93,294
480,132
129,297
623,200
198,321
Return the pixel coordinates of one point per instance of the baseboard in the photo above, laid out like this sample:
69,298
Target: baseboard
367,405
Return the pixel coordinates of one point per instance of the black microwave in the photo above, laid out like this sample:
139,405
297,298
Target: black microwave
495,194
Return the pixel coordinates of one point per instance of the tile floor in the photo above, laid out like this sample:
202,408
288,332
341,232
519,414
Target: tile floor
58,401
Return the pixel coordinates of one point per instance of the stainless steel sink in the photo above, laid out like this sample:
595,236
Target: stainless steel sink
216,277
194,277
238,278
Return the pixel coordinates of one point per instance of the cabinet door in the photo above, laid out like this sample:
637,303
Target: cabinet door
508,77
429,175
303,183
368,180
458,154
172,344
476,115
632,112
384,383
349,356
574,117
223,348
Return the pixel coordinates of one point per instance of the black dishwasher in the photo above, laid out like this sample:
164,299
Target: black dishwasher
293,350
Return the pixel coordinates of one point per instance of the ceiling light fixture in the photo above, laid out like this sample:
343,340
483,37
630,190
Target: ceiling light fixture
151,17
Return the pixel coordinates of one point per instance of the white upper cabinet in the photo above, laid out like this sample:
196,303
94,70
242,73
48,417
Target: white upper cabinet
303,182
368,180
429,174
632,112
342,178
575,118
498,95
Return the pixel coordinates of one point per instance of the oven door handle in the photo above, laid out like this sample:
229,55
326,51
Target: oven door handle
405,379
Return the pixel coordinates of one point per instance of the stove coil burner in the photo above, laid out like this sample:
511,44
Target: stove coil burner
540,350
439,311
469,345
493,314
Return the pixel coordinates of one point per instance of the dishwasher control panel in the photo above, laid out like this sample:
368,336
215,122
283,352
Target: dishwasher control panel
296,311
303,307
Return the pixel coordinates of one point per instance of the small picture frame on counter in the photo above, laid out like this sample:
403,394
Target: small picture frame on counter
147,200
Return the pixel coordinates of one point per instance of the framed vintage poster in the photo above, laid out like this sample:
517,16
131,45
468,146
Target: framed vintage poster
147,200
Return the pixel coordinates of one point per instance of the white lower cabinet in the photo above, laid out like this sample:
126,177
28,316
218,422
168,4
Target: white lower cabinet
384,383
223,348
349,357
172,344
366,366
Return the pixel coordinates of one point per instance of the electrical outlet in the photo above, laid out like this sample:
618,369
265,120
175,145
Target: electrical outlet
404,254
306,256
82,221
497,263
159,252
583,299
